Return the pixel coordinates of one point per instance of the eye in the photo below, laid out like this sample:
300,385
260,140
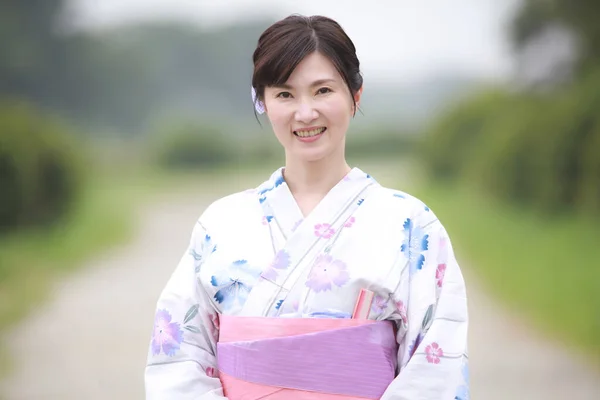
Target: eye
323,90
284,95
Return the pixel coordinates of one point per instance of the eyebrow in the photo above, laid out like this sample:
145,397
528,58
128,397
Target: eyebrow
315,83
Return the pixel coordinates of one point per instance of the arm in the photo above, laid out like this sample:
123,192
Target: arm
181,358
432,356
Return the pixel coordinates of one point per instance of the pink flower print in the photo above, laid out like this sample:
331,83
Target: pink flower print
402,310
327,272
439,274
167,335
434,352
214,318
281,261
379,305
324,230
443,243
349,222
211,372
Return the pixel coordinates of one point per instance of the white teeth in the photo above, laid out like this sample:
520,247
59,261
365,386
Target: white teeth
310,133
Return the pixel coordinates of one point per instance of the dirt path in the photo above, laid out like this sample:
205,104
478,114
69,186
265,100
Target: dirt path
90,341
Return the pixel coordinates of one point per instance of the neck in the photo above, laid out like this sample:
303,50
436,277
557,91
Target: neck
314,177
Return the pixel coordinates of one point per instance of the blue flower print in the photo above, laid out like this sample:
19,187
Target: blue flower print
415,243
234,283
278,182
208,247
463,392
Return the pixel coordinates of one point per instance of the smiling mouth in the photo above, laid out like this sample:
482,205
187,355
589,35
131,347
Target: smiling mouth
310,133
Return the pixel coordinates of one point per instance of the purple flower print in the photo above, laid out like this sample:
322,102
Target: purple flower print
327,272
296,225
324,230
167,335
379,305
412,348
281,261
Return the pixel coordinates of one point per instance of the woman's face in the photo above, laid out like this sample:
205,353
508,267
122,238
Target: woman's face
311,112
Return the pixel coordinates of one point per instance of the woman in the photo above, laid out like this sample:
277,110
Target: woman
371,268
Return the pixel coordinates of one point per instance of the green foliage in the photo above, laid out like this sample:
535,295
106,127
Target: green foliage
456,135
40,171
190,145
118,79
379,142
537,150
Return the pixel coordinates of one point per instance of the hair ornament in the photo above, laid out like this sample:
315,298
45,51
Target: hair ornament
258,105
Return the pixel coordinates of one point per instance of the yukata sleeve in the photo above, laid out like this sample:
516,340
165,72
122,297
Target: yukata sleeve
181,360
433,355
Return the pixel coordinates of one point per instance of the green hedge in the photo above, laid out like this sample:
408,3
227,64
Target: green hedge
191,145
540,150
40,168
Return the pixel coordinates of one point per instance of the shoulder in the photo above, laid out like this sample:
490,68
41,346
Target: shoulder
396,201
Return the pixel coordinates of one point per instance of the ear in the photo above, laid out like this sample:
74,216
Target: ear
357,97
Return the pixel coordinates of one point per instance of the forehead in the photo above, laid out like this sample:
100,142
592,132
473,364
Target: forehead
314,67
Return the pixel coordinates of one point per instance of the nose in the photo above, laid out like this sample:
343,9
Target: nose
306,112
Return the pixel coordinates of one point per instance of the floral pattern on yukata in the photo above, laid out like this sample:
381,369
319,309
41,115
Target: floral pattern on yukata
439,274
234,284
379,305
401,308
280,262
463,392
415,243
349,222
208,247
324,230
167,335
326,272
433,352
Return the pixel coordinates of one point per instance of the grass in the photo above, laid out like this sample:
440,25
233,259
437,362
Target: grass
546,269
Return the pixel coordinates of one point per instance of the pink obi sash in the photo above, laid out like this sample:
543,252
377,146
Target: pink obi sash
305,358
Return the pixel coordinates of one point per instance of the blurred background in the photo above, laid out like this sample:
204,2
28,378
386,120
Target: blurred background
115,114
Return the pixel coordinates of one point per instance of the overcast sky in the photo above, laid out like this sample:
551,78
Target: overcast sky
397,40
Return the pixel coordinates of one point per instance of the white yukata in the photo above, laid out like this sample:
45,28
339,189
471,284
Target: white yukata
254,254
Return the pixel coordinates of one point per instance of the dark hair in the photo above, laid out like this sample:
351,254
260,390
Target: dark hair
283,45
